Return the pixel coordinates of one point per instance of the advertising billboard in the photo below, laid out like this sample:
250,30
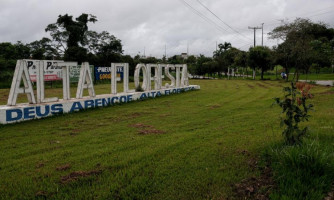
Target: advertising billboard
103,73
53,70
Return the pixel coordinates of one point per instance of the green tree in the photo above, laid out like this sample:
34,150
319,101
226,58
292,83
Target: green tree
105,46
70,36
220,56
9,54
202,66
240,60
260,57
297,39
43,49
191,63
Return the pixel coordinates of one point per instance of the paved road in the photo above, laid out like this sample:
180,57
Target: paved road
325,83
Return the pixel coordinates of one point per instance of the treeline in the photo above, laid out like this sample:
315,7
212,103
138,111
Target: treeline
303,45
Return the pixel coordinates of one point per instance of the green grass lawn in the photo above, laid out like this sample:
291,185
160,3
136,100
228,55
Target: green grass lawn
186,146
301,77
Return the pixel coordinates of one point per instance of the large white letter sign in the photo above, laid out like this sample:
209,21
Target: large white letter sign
146,79
184,78
85,76
45,70
177,75
157,76
114,67
169,66
113,78
66,78
21,72
125,77
40,83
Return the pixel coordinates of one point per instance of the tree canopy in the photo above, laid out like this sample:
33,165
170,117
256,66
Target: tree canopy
304,43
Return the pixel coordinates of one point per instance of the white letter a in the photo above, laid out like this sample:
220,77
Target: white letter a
21,72
85,76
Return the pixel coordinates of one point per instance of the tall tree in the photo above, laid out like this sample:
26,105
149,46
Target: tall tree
43,49
260,57
69,36
221,57
9,53
297,40
106,47
240,60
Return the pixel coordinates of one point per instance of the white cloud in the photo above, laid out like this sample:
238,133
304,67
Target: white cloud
152,24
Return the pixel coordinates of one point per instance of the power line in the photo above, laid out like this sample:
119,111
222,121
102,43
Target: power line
222,20
218,27
321,13
203,16
307,14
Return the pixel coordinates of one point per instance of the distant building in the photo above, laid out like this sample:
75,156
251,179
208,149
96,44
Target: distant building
184,55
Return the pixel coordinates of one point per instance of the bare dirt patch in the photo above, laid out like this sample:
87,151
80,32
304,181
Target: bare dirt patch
327,93
257,188
151,131
215,106
63,167
261,85
146,129
250,86
139,125
74,132
40,165
73,176
243,152
330,195
113,119
41,194
271,84
133,115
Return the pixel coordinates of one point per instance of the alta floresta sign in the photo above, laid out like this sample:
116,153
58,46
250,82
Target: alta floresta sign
38,106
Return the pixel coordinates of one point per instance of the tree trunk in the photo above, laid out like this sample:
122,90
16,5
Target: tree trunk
262,71
306,71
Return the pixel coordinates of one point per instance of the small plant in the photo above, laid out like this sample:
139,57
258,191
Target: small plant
295,109
139,88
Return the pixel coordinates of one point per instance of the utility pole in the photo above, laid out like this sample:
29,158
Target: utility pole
254,28
262,34
165,50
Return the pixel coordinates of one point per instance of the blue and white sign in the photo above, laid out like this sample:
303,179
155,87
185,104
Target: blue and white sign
43,107
10,114
104,73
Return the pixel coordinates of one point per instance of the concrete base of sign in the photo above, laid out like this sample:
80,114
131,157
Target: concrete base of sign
23,112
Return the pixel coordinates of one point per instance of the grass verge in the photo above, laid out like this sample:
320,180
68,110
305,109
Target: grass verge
195,145
304,171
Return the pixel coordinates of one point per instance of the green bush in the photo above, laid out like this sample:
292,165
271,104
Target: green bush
296,110
303,171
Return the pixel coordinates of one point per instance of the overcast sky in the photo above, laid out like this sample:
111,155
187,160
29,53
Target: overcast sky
153,24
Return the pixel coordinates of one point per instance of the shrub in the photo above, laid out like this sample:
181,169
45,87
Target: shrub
295,109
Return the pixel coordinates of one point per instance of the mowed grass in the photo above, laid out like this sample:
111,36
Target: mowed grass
185,146
301,76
